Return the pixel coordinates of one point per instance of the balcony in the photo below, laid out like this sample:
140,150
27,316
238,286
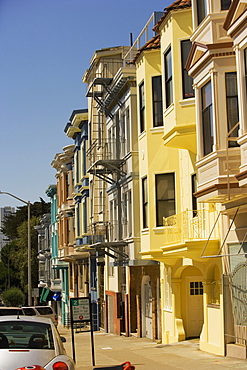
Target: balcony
56,284
187,233
242,175
217,173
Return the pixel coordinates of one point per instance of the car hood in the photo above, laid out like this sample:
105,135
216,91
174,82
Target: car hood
13,359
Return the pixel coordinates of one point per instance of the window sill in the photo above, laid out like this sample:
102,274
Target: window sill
158,230
169,109
213,305
145,231
142,134
187,102
169,310
157,130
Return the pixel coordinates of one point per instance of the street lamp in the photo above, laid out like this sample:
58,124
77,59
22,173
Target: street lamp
29,281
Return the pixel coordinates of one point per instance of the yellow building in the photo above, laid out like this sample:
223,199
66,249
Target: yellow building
175,227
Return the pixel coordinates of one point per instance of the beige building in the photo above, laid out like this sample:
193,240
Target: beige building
218,66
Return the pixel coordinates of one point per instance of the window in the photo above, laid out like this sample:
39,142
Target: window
122,130
100,131
127,116
27,335
157,101
142,107
78,223
207,119
84,159
129,213
114,220
245,67
71,277
232,104
144,203
201,6
196,288
193,190
168,78
110,146
165,196
124,214
117,138
84,209
77,166
56,273
225,4
188,91
101,207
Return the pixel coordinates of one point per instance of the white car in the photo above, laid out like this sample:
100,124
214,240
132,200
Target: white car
42,311
29,341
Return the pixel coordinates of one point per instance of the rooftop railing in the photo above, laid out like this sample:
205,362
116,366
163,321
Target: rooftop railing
145,35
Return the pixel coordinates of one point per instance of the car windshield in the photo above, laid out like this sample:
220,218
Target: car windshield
25,334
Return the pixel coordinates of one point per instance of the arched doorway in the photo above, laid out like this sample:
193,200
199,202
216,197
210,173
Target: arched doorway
192,301
146,293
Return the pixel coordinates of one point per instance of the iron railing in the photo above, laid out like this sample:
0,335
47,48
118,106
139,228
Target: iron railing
189,225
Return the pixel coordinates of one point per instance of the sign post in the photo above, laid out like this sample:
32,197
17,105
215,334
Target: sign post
81,311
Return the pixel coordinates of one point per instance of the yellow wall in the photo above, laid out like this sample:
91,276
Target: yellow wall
154,157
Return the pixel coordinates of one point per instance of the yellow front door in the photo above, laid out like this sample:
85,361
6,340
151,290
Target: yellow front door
194,306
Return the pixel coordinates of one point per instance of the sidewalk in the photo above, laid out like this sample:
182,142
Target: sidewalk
143,353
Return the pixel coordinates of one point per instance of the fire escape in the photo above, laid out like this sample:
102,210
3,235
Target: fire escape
106,165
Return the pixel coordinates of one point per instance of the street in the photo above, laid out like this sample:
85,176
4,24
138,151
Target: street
143,353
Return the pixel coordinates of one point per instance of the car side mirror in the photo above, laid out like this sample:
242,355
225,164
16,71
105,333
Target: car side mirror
63,339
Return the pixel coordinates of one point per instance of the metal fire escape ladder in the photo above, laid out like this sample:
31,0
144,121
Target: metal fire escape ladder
107,164
105,167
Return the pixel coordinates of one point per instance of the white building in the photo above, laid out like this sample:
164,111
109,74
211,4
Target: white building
4,211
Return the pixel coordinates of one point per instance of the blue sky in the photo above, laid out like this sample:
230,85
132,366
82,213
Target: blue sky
45,48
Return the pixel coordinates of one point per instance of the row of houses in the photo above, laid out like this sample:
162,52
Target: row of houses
148,213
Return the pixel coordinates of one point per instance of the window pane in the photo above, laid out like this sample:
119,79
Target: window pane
232,105
157,101
245,61
188,91
245,67
201,10
144,203
168,78
168,94
193,190
225,4
206,95
207,119
168,65
142,107
207,130
231,84
165,197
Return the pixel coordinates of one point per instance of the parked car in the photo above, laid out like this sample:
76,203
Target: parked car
42,311
28,341
6,311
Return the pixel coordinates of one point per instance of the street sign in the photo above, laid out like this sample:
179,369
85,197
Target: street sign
80,309
35,292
